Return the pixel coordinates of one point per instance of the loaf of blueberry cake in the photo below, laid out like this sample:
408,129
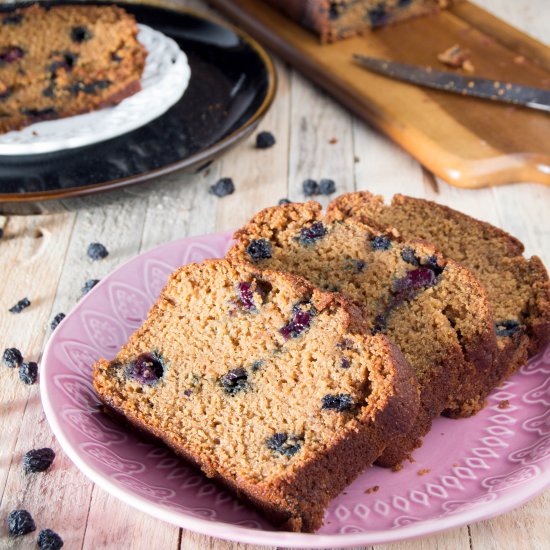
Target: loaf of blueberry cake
518,287
64,60
336,19
434,310
274,388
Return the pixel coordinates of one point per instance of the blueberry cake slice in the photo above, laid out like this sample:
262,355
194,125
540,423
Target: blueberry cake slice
518,287
274,388
65,60
434,310
336,19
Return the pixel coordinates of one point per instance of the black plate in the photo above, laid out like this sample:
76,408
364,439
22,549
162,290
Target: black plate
232,85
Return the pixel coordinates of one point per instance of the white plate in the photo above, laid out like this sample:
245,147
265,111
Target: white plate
164,80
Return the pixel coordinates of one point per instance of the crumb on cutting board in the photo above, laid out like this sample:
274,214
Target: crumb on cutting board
457,58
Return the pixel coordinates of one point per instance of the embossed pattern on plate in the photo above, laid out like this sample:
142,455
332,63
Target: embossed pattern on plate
165,78
471,468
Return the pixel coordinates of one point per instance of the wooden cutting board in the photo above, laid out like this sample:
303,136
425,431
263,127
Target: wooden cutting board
467,142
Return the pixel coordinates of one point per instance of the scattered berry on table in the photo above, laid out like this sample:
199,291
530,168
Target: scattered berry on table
264,140
97,251
56,320
88,285
284,201
310,187
259,249
28,372
49,540
12,357
20,306
340,402
20,523
327,186
223,187
38,460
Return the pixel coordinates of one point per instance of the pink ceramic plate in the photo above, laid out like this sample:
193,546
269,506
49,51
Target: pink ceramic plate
466,471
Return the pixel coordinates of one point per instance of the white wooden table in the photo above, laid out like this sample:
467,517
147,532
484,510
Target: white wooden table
44,258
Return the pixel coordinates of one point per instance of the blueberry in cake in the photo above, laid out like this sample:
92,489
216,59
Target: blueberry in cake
518,287
336,19
434,310
65,60
274,388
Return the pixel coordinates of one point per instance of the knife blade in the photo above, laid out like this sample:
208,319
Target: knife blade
485,88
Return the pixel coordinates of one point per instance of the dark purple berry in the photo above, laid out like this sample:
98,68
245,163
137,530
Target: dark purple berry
259,249
97,251
80,34
56,320
88,285
409,256
284,444
88,87
507,328
246,297
11,54
48,112
308,235
380,323
20,306
49,540
340,402
116,58
235,381
264,140
431,263
310,187
12,357
284,201
15,19
327,186
28,372
380,242
222,187
20,523
356,265
147,368
378,15
345,364
415,279
188,392
38,460
300,321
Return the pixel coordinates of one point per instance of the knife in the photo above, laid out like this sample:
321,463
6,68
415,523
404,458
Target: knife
508,92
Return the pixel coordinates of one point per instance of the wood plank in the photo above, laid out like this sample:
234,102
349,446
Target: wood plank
465,141
456,539
194,541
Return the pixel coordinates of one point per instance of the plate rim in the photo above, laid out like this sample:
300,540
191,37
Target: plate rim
194,160
219,529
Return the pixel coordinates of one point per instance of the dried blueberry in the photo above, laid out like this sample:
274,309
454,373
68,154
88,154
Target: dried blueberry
507,327
235,381
11,54
12,357
80,34
415,279
20,523
284,201
308,235
284,444
345,364
310,187
188,392
49,91
38,460
378,15
300,321
380,242
340,402
88,87
56,320
223,187
15,19
49,540
431,263
20,306
48,112
88,285
327,186
409,256
264,140
147,368
116,58
356,265
259,249
28,372
246,297
97,251
380,324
